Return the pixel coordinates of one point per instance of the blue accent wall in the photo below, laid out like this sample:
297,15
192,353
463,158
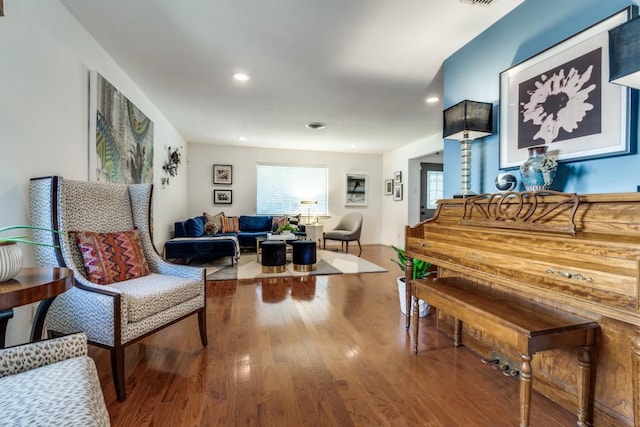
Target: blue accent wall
473,73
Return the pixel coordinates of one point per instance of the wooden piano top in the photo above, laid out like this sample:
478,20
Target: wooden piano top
581,251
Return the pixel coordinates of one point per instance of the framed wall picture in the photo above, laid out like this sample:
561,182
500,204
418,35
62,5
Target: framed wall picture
356,190
388,187
562,98
397,177
222,197
120,136
397,192
222,174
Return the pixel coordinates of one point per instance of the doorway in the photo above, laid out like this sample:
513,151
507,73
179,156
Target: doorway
431,185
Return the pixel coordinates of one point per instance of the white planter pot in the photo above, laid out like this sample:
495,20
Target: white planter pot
423,307
10,261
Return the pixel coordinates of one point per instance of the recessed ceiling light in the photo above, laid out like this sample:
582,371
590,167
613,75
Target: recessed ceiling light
315,125
432,99
241,77
242,138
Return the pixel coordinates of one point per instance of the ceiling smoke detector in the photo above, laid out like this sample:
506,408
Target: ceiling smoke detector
477,2
315,125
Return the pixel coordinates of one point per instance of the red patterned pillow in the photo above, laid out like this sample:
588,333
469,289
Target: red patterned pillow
230,224
112,257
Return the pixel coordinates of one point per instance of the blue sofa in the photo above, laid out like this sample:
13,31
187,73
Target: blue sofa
191,243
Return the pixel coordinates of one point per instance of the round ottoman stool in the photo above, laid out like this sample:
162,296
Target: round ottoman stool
304,255
274,256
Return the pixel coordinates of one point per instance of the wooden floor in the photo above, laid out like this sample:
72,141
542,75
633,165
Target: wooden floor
316,351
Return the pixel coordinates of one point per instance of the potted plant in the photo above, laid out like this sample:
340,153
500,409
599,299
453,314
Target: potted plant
10,253
421,269
288,228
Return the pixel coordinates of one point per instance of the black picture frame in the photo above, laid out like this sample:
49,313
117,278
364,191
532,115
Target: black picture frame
388,187
222,197
397,192
587,116
223,174
397,177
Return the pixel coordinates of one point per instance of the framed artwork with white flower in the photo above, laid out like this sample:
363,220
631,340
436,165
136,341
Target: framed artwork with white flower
562,98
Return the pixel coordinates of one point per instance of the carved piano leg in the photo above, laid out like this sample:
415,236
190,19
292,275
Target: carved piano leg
416,318
408,275
584,386
457,332
525,390
635,372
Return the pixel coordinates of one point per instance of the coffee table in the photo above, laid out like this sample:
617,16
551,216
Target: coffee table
288,238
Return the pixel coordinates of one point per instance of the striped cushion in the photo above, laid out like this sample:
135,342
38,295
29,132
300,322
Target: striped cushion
112,257
230,224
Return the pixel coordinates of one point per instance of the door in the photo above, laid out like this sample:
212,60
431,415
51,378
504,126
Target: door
431,182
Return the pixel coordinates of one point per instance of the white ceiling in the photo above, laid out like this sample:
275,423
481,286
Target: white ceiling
363,67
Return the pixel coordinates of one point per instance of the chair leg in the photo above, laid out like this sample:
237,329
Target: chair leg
324,245
117,371
202,324
347,242
359,253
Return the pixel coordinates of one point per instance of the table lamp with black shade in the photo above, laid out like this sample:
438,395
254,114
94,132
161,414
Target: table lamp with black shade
624,54
466,121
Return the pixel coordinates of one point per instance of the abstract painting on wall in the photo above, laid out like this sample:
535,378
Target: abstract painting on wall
120,136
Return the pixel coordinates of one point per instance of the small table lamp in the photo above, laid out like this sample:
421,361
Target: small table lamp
309,202
624,54
466,121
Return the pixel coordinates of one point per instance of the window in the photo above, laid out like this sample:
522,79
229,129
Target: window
434,188
281,188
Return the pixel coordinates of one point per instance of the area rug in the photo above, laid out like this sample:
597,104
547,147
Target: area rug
329,262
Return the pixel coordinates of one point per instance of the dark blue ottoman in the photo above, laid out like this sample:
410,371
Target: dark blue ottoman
304,255
274,256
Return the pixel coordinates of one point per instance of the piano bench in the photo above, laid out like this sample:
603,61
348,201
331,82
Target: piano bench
526,326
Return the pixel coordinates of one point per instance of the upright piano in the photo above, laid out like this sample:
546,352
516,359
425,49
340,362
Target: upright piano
574,254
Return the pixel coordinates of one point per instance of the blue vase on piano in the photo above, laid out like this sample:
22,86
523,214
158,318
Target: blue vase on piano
539,170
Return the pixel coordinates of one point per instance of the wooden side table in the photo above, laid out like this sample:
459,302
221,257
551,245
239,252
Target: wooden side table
29,286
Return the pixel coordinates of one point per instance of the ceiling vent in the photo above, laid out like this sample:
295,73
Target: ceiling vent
477,2
315,125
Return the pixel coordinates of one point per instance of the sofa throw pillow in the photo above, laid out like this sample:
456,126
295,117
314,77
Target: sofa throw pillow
230,224
216,219
112,257
195,226
277,222
210,228
293,219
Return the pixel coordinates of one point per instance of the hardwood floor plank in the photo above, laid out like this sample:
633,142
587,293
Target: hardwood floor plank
313,351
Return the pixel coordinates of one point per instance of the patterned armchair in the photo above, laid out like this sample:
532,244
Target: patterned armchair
51,382
117,314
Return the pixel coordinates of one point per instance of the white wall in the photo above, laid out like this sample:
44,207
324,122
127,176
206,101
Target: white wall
398,214
45,58
200,193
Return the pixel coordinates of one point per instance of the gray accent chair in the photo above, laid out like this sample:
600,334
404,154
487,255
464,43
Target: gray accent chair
347,230
51,382
119,314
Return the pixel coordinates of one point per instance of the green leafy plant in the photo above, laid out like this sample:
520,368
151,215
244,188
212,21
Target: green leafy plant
288,227
420,268
24,238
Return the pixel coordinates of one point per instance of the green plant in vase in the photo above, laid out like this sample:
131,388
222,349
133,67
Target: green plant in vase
10,253
420,270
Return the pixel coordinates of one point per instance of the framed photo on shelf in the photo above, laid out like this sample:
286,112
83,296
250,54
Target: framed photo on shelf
562,98
388,186
222,197
356,190
397,192
397,177
222,174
